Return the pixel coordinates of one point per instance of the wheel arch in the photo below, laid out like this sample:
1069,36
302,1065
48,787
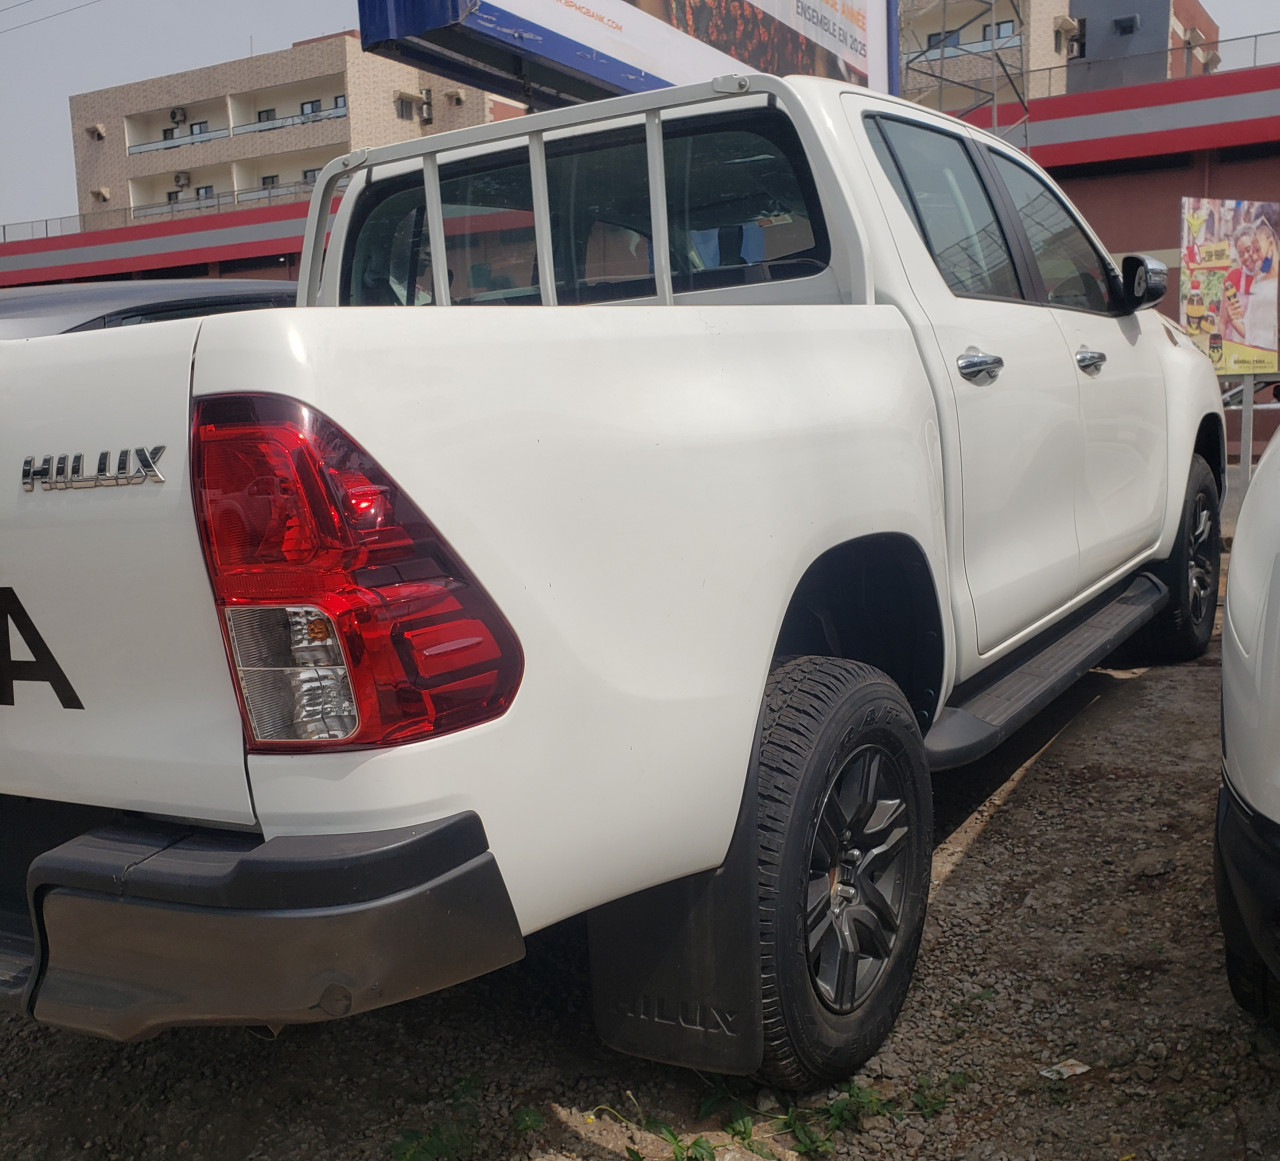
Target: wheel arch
872,599
1211,444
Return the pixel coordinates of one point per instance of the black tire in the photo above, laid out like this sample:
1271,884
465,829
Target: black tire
1181,631
1252,985
846,822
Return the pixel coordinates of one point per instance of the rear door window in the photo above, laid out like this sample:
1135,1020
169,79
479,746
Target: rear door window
936,179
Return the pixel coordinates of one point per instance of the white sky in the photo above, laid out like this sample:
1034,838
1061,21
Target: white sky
75,46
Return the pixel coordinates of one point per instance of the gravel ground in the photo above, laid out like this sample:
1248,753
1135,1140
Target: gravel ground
1072,916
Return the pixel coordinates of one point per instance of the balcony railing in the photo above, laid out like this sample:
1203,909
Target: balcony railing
158,211
174,142
249,127
284,122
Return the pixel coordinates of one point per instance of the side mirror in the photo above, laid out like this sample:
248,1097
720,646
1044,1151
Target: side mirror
1145,282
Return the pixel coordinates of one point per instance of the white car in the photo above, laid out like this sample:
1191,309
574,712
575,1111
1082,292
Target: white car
1247,834
644,498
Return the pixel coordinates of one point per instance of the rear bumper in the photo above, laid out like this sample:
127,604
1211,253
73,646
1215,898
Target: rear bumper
1247,871
142,928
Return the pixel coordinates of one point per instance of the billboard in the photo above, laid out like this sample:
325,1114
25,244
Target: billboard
592,48
824,38
1230,266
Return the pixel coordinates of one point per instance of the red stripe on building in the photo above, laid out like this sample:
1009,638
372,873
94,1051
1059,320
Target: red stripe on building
1180,90
1187,140
218,253
166,229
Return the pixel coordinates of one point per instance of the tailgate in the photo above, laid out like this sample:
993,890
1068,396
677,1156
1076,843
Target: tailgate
114,683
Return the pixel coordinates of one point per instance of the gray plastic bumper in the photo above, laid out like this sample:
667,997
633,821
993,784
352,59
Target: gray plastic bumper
143,929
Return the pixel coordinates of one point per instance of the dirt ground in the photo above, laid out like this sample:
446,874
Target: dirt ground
1072,917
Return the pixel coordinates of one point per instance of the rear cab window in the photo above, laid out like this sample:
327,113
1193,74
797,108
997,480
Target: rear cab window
741,203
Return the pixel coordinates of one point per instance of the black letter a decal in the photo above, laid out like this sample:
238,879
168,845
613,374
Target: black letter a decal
43,668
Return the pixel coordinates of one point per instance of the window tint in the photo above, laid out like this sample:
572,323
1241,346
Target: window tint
598,189
741,208
488,223
952,210
386,250
488,227
741,204
890,167
1073,271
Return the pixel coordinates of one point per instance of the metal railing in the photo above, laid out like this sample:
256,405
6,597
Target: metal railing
284,122
174,142
1088,74
236,130
157,211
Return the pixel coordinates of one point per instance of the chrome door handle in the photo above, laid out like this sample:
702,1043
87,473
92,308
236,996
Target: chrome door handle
1090,361
978,367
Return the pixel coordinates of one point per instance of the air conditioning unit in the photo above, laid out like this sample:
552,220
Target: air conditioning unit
1073,48
177,116
182,180
427,116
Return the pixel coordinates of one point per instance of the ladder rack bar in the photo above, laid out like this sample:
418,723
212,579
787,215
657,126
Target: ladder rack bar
660,240
542,219
435,231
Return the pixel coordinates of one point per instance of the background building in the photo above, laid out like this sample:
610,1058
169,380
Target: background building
251,131
960,55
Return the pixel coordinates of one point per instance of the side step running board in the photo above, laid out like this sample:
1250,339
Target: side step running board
973,726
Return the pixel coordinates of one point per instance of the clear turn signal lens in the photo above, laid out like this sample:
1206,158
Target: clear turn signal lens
293,673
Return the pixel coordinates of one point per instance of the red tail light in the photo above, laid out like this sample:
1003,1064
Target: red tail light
349,621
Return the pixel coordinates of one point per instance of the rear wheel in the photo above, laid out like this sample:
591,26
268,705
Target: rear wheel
846,824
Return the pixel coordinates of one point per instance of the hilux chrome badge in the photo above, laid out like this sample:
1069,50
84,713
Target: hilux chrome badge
68,471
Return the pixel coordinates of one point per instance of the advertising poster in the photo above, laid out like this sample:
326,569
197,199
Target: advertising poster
1230,266
823,38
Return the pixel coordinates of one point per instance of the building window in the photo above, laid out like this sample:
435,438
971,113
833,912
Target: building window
173,195
1004,29
936,39
404,108
270,181
266,115
204,191
310,107
340,101
199,127
1126,25
311,176
167,134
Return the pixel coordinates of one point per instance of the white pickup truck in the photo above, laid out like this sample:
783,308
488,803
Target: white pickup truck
345,646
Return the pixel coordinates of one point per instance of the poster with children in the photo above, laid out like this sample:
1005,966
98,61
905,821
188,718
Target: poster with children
1230,264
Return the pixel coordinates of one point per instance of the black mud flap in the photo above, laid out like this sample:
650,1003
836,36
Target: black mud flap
675,970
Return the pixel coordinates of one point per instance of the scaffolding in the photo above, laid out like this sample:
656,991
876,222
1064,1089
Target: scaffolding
951,70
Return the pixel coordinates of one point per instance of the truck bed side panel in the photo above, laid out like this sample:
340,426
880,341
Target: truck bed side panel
640,491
